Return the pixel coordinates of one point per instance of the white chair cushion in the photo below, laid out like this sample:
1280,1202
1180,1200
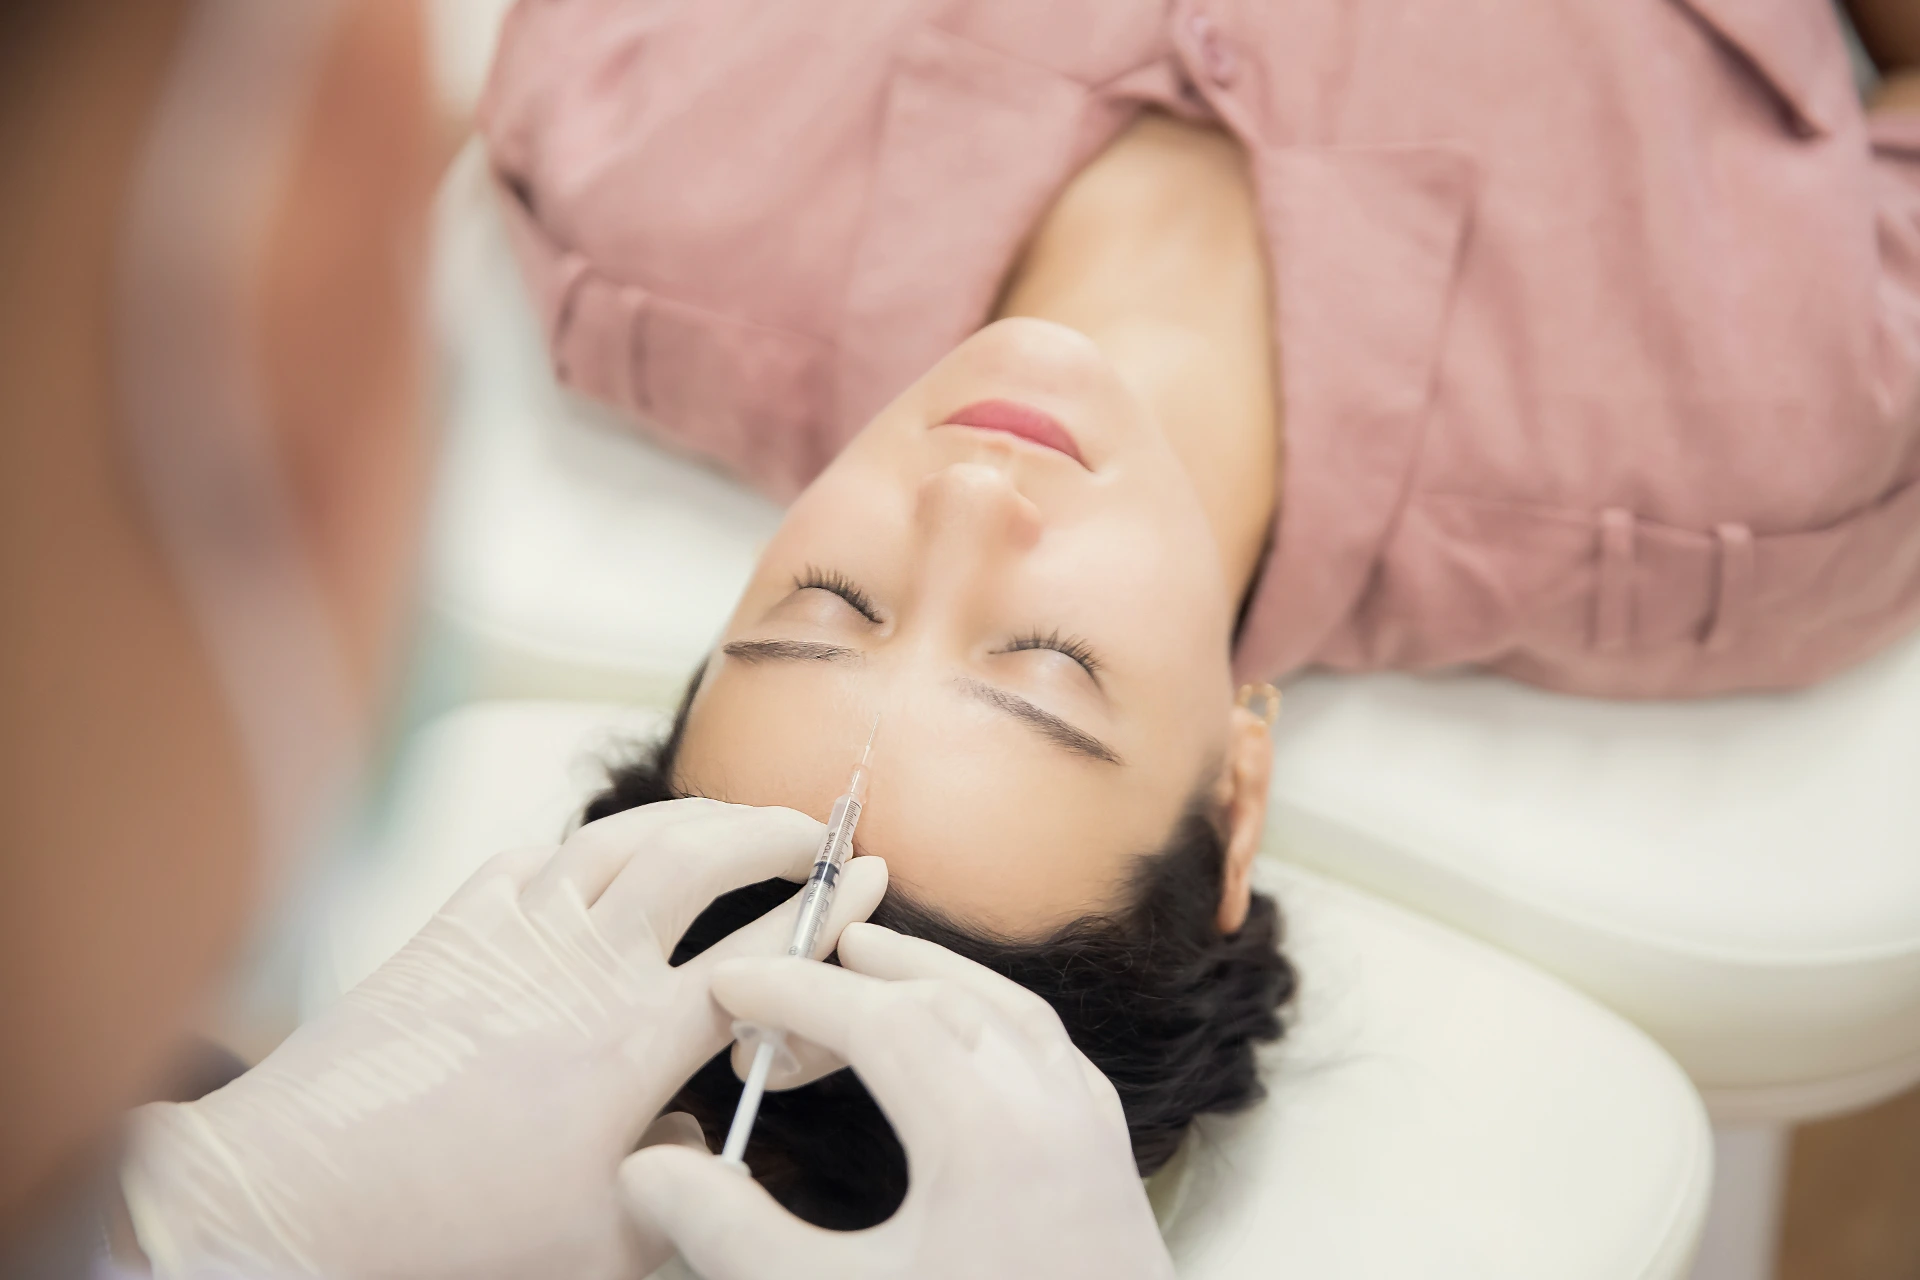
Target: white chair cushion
460,38
1438,1110
1741,877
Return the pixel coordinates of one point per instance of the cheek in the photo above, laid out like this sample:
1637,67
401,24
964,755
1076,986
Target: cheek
1145,583
853,508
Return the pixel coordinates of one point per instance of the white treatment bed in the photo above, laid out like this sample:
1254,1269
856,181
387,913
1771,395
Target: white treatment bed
1439,1108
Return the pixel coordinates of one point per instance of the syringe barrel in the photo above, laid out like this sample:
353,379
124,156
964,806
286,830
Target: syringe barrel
817,896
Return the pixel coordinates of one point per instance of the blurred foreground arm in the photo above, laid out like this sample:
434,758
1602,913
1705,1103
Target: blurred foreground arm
1018,1150
464,1111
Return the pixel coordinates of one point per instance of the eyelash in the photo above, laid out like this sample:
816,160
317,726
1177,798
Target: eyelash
840,585
1072,646
844,587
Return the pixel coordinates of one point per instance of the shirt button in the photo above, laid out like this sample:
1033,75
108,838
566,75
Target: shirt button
1217,58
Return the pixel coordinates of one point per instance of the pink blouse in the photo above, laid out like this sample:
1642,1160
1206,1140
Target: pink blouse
1598,320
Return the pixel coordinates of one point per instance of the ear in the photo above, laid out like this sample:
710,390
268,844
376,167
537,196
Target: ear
1241,797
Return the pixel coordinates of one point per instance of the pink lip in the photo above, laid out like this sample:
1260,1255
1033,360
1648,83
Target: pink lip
1017,419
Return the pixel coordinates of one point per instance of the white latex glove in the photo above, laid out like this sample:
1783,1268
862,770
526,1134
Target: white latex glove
1017,1152
464,1111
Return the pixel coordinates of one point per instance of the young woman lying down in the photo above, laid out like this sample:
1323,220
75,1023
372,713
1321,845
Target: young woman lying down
1114,353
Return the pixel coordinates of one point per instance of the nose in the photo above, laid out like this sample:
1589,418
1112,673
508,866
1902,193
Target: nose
976,507
972,526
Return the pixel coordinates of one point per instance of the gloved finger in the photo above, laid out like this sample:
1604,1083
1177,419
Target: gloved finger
662,889
513,868
724,1223
907,1040
594,854
803,1063
882,953
1105,1096
681,869
675,1128
863,882
831,1005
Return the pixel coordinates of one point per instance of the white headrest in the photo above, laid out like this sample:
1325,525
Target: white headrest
1739,876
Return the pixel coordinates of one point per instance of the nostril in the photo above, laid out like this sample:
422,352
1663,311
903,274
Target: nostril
981,497
967,483
1024,521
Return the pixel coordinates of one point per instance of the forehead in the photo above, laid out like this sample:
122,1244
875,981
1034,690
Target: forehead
973,813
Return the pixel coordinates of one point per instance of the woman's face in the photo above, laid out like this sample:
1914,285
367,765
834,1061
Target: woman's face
1044,638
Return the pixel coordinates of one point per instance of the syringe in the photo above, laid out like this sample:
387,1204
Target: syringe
815,898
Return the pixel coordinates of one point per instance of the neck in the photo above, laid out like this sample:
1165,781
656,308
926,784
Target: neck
1154,251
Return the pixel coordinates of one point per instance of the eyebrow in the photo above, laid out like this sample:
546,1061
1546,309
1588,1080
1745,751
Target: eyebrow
789,651
1048,725
1056,730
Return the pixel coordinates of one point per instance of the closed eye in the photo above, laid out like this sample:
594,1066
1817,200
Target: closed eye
841,585
1072,646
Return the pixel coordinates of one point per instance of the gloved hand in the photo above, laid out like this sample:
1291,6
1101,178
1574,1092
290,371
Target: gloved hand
464,1111
1019,1163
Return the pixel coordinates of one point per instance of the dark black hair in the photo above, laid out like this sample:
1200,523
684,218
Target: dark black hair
1153,993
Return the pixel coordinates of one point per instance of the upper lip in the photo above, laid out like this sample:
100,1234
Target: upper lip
1016,419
